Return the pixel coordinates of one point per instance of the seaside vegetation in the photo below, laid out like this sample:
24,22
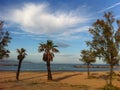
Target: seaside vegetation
4,40
105,44
49,49
106,41
109,87
88,57
21,55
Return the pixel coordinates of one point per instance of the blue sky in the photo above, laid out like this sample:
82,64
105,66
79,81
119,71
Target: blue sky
66,22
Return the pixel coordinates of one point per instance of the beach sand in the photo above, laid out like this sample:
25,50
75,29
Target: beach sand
61,81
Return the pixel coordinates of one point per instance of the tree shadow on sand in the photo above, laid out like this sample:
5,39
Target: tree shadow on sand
65,77
1,89
21,81
7,77
13,76
38,76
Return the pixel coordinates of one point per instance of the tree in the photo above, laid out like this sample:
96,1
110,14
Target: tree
106,40
4,40
87,57
21,55
49,49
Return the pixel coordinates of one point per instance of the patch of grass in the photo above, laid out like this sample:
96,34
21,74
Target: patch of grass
34,83
80,86
108,87
93,77
7,81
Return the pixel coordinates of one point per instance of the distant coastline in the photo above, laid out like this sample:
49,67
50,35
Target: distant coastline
12,66
95,66
8,64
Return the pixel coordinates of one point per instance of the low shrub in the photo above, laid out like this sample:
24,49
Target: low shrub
108,87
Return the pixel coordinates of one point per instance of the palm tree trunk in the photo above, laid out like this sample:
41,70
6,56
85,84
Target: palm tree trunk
18,70
88,71
111,74
49,70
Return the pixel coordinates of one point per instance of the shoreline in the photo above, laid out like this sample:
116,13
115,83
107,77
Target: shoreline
55,71
59,70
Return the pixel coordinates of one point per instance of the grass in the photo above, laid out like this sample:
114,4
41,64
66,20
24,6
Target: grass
85,87
108,87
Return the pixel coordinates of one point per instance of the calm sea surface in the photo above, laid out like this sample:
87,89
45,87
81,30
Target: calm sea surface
54,67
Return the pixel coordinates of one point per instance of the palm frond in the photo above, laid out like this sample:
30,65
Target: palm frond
55,50
21,54
49,49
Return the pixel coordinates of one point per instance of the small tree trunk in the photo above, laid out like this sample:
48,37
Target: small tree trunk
88,71
18,70
49,70
111,74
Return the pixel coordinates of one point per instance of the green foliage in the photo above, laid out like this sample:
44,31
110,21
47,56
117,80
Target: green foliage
21,53
109,87
4,40
106,40
49,49
87,57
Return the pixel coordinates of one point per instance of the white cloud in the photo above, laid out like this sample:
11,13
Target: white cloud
17,33
37,19
62,44
75,30
71,33
67,58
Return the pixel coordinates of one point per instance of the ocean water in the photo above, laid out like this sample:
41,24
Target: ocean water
54,67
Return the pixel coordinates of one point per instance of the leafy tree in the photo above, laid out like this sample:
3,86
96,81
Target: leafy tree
21,55
4,40
106,40
88,57
49,49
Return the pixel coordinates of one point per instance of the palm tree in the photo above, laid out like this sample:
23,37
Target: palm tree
20,57
49,49
87,57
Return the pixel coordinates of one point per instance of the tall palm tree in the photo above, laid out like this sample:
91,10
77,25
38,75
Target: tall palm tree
88,57
49,49
21,55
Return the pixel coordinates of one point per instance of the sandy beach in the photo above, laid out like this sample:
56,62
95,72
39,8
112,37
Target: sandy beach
61,81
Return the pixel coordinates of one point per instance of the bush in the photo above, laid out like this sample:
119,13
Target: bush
108,87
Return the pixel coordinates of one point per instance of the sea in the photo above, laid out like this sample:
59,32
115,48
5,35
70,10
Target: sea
29,66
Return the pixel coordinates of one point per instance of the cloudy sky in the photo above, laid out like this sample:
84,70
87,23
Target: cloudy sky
66,22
